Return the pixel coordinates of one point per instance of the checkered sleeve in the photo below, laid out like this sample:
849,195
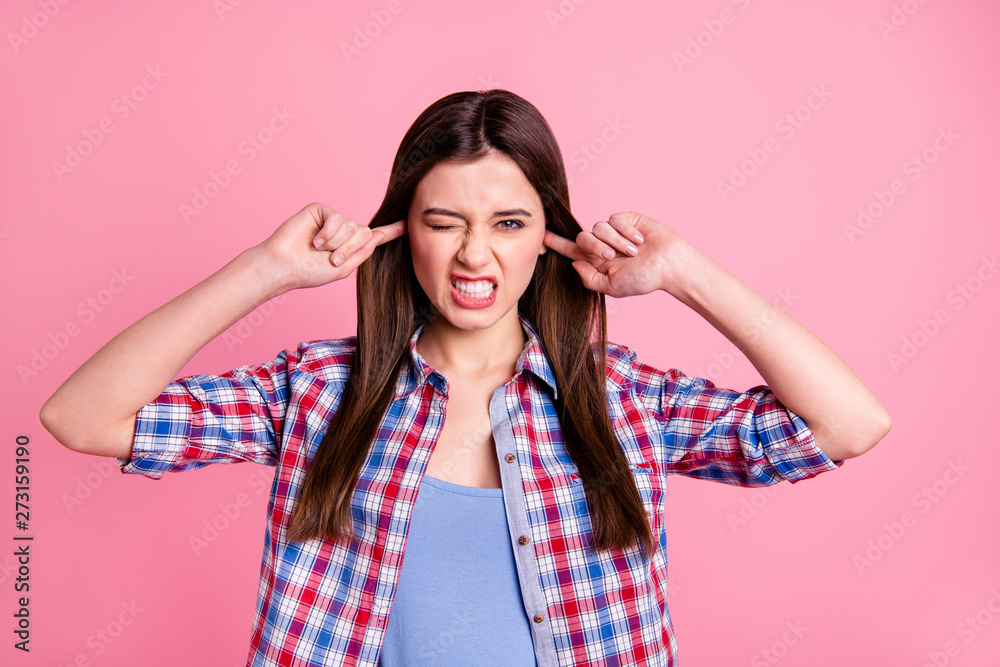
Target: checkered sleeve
202,419
744,438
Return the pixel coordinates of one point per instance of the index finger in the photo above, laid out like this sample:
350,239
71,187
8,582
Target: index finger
563,245
391,232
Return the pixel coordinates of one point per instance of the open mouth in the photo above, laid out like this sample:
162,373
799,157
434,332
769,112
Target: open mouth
479,289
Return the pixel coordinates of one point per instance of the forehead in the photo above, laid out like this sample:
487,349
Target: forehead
489,182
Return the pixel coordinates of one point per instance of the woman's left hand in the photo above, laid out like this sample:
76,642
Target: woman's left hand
623,274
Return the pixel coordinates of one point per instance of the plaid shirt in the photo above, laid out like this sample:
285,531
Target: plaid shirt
321,603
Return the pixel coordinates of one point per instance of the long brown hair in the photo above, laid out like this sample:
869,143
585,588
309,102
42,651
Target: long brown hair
466,126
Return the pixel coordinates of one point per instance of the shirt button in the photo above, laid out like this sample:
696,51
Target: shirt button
539,618
522,540
509,458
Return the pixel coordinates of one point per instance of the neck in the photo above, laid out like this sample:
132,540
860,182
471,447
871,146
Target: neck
478,351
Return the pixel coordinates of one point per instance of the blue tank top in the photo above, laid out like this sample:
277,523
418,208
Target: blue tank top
458,601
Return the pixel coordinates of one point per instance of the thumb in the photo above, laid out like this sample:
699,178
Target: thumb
592,278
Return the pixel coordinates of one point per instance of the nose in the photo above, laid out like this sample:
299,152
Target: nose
475,250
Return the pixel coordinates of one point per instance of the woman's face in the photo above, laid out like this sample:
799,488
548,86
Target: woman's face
477,220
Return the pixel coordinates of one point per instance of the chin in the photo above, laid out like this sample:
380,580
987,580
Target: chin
471,319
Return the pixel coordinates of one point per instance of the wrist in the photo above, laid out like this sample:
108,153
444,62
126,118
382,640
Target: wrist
265,271
683,271
703,284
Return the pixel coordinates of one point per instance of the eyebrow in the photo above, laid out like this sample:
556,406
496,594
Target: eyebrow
518,212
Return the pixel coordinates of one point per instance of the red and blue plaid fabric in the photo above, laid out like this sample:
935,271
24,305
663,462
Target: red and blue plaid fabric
325,603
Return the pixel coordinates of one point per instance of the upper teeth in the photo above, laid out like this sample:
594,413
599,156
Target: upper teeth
477,286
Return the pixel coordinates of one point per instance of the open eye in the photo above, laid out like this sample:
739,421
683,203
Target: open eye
516,222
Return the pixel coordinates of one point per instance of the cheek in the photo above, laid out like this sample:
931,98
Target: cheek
425,256
527,258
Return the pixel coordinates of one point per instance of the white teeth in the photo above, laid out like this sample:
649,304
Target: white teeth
480,288
477,285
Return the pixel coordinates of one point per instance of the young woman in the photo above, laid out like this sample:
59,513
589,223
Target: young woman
479,422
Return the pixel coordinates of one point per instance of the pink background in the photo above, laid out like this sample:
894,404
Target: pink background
868,569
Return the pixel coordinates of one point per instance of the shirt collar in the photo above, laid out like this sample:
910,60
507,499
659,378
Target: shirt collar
532,359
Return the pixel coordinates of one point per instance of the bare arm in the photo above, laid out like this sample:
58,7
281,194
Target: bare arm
94,410
806,376
803,372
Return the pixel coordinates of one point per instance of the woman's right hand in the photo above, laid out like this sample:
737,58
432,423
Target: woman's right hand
318,245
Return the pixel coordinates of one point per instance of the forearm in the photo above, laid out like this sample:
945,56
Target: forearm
93,411
803,372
